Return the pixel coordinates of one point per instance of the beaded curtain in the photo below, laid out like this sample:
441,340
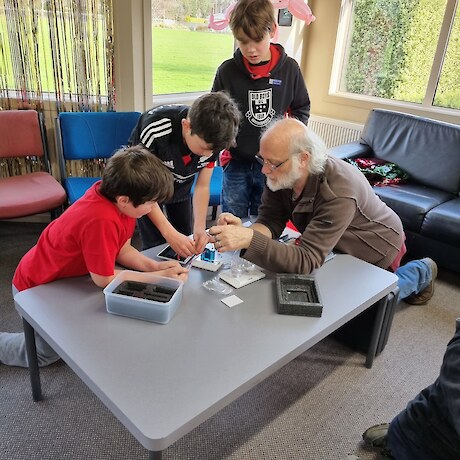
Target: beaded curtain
55,56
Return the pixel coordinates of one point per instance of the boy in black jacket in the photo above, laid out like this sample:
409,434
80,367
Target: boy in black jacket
187,140
265,83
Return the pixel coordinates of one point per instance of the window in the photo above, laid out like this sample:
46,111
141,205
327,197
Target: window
185,52
402,50
58,50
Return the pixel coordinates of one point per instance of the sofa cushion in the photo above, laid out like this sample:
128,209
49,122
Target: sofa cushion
412,202
442,223
428,150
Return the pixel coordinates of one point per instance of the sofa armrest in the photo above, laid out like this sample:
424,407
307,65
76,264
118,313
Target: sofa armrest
351,150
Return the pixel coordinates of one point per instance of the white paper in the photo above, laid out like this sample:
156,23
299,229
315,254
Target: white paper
231,301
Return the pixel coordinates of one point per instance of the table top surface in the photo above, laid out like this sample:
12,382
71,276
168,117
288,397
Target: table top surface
161,381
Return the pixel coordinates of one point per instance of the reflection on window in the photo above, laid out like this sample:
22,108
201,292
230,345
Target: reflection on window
391,51
448,91
186,53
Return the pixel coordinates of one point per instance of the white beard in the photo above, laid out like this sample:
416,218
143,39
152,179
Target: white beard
286,181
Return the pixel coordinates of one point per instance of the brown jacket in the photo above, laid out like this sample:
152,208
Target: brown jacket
338,210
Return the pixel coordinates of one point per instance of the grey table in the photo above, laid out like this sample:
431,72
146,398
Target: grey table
161,381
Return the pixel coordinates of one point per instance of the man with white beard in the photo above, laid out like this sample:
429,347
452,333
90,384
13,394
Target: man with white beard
331,204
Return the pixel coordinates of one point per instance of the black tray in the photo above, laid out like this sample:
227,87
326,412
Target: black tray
298,295
146,291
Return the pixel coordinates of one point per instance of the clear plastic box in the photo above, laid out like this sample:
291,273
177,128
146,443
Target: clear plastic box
141,308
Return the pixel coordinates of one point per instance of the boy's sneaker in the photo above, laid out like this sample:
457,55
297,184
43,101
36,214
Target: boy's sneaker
424,296
376,436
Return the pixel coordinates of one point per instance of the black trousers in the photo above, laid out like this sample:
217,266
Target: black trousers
180,216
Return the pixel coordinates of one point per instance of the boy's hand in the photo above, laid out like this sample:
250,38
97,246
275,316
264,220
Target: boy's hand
177,272
182,244
201,240
164,265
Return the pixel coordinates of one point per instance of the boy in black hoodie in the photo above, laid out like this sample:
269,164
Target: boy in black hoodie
266,83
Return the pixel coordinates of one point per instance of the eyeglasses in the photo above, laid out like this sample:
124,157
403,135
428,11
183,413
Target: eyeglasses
267,163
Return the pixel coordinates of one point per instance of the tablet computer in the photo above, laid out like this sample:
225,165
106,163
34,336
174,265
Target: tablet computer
168,253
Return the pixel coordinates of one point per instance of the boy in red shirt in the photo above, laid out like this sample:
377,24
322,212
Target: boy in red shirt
92,235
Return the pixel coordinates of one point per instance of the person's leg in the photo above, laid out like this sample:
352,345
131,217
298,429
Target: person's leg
180,216
13,348
236,188
258,184
401,447
416,280
150,235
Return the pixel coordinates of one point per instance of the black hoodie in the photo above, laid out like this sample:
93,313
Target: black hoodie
281,92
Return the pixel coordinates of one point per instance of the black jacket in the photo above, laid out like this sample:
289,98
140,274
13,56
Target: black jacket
160,131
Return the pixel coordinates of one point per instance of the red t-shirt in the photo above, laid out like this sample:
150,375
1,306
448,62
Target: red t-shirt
87,237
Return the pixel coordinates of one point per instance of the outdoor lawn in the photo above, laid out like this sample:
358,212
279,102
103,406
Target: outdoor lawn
185,60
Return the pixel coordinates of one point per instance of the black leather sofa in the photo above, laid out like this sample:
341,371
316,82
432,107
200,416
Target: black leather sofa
429,202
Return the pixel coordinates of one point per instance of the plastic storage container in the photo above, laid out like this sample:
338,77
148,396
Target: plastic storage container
298,295
139,307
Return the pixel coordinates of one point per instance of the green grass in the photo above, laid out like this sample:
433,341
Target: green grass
186,61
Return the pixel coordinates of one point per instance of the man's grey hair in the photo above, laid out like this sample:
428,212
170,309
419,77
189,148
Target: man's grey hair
308,140
305,140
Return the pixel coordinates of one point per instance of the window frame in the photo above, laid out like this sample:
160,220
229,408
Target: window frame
339,61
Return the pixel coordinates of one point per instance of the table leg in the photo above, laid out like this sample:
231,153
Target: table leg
377,329
155,454
388,320
34,371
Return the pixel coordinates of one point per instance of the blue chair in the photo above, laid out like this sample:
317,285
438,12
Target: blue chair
215,189
89,136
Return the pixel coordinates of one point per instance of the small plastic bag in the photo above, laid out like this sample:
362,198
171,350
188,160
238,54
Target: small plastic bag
240,266
216,285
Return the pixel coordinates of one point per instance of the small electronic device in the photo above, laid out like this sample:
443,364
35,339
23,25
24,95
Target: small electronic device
209,259
168,253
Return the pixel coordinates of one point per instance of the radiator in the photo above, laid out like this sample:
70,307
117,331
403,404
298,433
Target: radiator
335,132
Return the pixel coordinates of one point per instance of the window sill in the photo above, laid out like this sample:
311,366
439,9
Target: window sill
369,102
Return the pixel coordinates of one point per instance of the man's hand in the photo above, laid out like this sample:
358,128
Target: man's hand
231,237
226,218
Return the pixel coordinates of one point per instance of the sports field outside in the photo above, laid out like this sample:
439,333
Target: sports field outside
186,60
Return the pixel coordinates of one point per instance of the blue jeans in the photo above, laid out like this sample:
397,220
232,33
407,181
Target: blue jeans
413,277
13,349
242,187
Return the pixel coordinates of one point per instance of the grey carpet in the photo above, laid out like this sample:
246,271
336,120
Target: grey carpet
315,408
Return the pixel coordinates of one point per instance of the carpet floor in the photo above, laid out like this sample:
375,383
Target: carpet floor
314,408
